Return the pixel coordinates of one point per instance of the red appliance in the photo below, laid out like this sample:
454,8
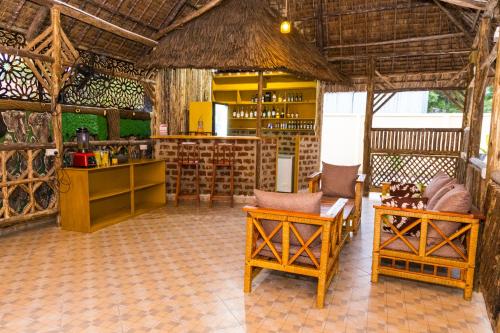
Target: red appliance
83,158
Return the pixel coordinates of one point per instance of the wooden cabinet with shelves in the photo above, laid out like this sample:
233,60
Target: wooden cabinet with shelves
92,199
293,98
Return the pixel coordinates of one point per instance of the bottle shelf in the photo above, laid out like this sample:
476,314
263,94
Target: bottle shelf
274,119
270,129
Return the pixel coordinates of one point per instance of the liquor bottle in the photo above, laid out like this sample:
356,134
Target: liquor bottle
296,115
282,114
246,114
301,97
274,96
273,113
280,98
234,114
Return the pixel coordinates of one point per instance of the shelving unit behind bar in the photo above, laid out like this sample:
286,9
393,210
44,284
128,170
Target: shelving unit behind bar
293,98
92,199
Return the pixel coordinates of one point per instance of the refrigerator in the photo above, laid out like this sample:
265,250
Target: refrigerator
208,117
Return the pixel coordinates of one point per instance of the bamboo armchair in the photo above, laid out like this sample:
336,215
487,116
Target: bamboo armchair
435,262
320,261
352,212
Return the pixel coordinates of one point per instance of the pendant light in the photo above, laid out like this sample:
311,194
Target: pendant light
286,26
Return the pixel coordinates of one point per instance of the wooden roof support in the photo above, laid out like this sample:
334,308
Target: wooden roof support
37,23
370,96
355,57
474,4
494,143
24,53
453,18
208,6
398,41
80,15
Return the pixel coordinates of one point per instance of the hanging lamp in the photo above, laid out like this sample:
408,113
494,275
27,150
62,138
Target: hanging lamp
286,26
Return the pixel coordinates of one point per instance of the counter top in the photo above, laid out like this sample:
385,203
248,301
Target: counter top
200,137
122,165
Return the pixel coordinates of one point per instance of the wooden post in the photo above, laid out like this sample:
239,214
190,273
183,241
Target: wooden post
370,96
259,104
494,143
258,126
158,116
480,80
56,82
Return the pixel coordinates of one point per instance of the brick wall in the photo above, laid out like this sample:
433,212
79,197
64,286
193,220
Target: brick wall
308,160
269,157
245,167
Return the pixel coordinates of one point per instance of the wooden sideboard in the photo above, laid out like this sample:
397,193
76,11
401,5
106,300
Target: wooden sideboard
92,199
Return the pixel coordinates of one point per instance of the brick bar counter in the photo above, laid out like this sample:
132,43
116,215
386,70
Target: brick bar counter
249,168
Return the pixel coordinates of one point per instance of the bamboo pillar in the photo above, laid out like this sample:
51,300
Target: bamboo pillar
258,130
480,80
494,143
159,111
113,120
370,96
56,87
56,82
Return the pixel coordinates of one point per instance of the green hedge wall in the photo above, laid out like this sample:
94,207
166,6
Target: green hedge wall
138,128
97,125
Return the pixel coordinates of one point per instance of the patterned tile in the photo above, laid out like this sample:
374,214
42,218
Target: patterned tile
181,270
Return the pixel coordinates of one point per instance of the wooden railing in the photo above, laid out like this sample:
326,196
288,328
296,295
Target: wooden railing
432,141
414,154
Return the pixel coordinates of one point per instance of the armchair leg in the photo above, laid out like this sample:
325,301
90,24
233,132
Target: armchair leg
469,282
320,299
375,268
247,283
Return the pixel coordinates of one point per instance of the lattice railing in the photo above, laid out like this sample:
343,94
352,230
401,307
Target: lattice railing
28,187
414,155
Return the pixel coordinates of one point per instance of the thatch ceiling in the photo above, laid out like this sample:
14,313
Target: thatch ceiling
240,36
405,35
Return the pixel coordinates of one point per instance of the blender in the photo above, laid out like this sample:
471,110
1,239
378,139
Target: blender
83,158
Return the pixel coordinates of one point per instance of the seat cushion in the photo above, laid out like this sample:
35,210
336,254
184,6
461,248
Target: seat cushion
446,251
401,222
437,182
457,200
404,190
294,202
339,180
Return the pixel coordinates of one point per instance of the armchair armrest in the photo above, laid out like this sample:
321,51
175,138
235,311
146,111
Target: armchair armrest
330,216
314,176
313,180
361,178
429,214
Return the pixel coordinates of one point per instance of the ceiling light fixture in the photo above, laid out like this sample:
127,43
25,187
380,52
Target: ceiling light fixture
286,26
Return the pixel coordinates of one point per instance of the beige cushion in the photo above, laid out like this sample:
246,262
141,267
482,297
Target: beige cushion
445,251
339,180
437,182
457,200
440,193
294,202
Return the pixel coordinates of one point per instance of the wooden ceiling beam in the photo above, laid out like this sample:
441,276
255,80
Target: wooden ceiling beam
80,15
454,19
207,7
354,57
474,4
37,23
174,13
397,41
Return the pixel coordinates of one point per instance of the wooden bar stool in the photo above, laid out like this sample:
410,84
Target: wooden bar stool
188,155
222,158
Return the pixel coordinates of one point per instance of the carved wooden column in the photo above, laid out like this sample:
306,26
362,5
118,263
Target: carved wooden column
370,96
494,143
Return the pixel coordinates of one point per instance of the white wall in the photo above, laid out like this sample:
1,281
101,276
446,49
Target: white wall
342,135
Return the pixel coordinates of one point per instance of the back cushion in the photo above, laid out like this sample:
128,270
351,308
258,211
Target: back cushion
437,182
339,180
294,202
405,190
440,193
457,200
401,222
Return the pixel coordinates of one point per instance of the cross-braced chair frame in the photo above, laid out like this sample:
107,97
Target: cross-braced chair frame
323,268
421,263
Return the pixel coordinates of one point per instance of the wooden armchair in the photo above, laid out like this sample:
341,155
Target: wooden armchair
448,260
352,211
316,256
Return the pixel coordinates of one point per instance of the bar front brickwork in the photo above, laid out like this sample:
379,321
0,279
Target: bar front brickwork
308,152
268,164
245,166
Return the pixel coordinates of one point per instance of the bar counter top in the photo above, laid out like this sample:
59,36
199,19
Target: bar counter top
206,137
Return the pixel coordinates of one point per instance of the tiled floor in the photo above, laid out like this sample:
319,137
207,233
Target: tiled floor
181,270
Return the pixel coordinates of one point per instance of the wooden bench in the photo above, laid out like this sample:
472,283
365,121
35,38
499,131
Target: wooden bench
317,256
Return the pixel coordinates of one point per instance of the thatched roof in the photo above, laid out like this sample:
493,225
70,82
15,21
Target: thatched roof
240,35
417,36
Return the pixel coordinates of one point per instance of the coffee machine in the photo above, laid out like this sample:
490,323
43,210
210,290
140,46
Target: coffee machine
83,158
